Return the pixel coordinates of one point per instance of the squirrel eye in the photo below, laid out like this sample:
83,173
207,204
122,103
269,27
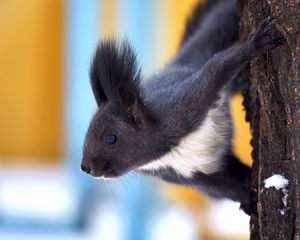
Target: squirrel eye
110,139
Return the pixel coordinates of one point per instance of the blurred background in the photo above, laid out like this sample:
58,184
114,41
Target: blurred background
45,107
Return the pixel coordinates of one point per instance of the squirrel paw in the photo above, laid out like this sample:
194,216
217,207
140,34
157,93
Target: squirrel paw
267,36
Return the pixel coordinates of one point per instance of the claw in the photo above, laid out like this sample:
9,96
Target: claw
267,36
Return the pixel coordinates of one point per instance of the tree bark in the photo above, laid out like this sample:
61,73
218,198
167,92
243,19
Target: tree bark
272,103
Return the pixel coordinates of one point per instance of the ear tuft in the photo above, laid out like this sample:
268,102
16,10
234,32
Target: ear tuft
115,76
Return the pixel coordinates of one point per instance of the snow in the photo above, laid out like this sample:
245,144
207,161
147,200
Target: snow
282,212
277,181
285,196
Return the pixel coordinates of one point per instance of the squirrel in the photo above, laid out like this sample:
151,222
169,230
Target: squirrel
176,124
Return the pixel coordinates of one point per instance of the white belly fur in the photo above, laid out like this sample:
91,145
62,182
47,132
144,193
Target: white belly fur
202,149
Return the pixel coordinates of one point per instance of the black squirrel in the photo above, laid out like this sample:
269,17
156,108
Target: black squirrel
176,125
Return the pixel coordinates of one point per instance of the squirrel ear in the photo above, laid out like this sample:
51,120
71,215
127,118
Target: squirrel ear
115,76
115,79
96,85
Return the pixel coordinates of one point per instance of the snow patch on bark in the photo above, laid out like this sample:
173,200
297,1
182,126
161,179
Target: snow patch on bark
282,211
277,181
285,196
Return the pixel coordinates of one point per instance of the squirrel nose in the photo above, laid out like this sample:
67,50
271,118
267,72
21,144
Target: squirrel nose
85,168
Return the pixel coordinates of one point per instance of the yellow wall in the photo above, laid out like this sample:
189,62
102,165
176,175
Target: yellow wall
31,79
242,135
108,21
174,14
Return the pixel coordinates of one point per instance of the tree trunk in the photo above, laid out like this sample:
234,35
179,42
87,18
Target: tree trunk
272,102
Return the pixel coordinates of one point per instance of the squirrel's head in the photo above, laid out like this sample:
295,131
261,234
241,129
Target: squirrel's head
119,136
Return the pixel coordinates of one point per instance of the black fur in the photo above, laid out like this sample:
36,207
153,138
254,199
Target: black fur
151,118
115,77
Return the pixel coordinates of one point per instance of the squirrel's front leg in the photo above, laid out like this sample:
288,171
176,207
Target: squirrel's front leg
226,64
